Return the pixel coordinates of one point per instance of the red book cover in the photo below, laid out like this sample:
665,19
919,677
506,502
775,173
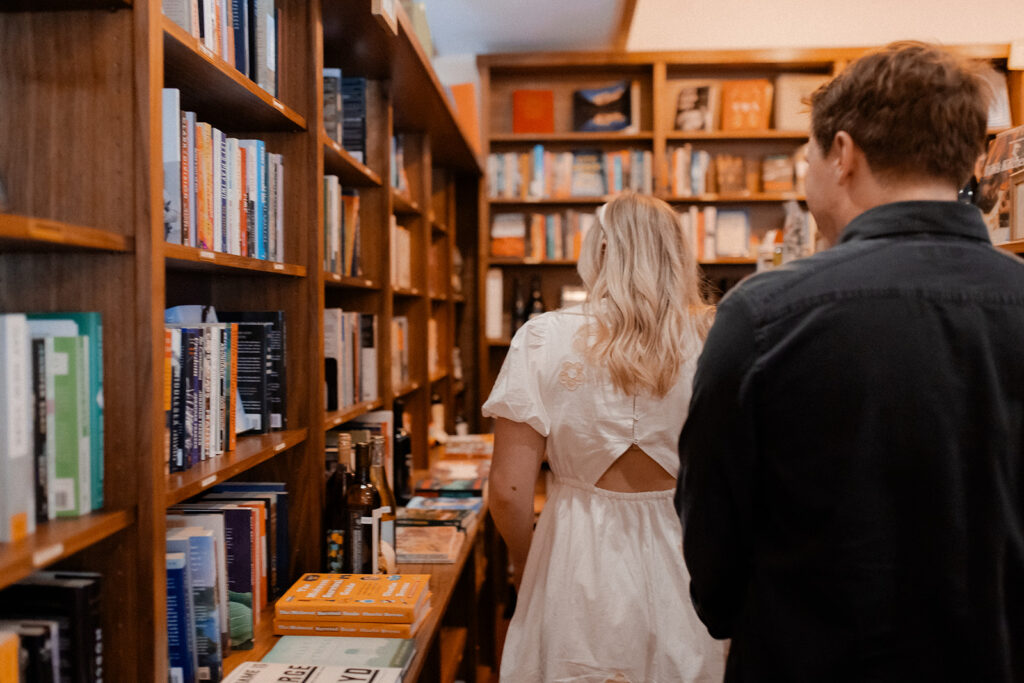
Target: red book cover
533,111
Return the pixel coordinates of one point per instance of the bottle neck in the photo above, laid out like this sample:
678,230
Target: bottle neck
363,463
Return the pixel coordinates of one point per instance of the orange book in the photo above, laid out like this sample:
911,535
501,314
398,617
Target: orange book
204,185
316,627
746,104
464,95
243,207
533,111
376,598
9,643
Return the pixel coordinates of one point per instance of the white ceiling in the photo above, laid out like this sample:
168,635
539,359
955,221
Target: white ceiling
460,27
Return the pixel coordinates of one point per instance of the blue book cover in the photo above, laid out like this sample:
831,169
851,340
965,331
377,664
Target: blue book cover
198,545
240,26
263,227
90,324
536,188
180,651
282,539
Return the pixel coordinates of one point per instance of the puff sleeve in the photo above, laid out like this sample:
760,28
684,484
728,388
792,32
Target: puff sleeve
517,394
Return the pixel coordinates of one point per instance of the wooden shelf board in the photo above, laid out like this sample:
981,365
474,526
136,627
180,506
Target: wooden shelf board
338,161
180,257
438,296
499,342
738,135
337,417
438,376
406,389
57,540
459,298
730,261
735,198
355,40
1014,247
459,387
412,292
219,93
453,644
547,201
250,451
403,203
263,640
502,261
438,227
569,137
337,280
61,5
25,233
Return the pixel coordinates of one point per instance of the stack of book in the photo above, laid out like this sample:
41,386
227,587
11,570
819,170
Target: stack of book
51,419
332,103
376,659
540,236
697,172
220,193
56,616
353,107
376,605
541,174
227,555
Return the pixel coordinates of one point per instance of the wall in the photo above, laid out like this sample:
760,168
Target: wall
675,25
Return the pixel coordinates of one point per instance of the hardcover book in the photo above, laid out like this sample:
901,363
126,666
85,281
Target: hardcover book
792,95
269,672
383,652
604,109
354,597
171,125
181,651
993,196
428,544
460,519
277,371
17,464
197,545
696,105
746,104
355,629
474,503
533,111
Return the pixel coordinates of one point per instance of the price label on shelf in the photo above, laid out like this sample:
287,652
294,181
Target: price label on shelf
44,556
207,255
209,481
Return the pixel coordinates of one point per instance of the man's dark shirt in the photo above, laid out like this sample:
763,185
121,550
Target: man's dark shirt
853,492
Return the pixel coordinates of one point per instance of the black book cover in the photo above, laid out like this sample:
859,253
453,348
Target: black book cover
277,340
39,428
253,370
177,460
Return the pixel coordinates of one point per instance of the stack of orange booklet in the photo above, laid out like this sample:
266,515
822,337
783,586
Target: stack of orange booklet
376,605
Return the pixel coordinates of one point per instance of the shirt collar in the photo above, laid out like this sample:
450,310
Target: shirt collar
904,218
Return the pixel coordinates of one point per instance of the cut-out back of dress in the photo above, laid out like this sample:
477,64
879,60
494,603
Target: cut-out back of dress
634,472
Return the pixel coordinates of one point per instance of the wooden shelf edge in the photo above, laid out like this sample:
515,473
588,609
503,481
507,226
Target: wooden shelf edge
353,166
1014,246
438,376
730,261
263,641
571,136
403,203
518,201
194,46
250,451
192,257
406,389
453,646
737,198
57,540
29,231
738,135
61,5
499,261
499,342
335,418
348,281
401,291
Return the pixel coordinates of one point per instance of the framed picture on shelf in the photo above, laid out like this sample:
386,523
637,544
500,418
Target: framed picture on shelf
1017,205
696,105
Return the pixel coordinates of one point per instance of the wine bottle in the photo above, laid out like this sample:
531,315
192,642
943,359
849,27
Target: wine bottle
387,562
536,305
335,507
363,502
436,433
519,310
402,465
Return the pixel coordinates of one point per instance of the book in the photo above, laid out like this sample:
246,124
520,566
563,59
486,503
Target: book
171,126
533,111
17,461
281,536
181,651
37,651
993,195
454,478
474,503
198,546
777,173
588,173
332,103
746,104
508,235
354,597
271,672
468,446
609,108
428,544
357,629
464,97
277,370
792,109
696,105
460,519
10,645
254,364
341,651
732,233
43,424
72,599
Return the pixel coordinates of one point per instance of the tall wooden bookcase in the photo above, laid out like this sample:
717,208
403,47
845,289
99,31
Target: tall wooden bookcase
657,74
80,100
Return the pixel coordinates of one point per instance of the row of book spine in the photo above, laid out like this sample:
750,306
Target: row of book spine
227,557
341,229
220,193
223,378
694,172
243,33
350,358
345,111
51,418
57,620
540,236
543,174
401,255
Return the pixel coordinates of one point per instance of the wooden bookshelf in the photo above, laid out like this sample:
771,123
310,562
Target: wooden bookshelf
1014,247
84,232
656,76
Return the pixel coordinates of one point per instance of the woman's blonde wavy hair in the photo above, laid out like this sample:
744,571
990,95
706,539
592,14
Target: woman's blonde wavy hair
644,294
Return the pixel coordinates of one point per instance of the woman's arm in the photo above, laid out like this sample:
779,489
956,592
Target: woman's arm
515,464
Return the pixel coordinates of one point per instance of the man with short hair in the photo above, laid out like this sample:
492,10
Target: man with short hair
853,492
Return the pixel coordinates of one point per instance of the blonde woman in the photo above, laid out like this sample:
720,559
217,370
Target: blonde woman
603,389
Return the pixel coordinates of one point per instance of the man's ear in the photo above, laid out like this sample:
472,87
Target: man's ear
845,156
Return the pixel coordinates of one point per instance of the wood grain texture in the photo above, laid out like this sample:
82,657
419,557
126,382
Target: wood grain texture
25,233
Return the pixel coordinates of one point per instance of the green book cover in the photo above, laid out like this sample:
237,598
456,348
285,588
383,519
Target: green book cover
90,323
71,496
343,651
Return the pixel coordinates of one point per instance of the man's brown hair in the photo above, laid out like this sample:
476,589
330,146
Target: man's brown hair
913,108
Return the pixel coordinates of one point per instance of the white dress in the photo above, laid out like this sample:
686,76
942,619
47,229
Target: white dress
605,592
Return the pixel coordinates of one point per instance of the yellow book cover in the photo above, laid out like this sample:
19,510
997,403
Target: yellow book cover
393,598
8,656
315,627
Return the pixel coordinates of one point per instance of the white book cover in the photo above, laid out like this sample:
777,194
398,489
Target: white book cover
234,195
209,25
179,12
17,471
494,295
171,140
368,357
269,672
